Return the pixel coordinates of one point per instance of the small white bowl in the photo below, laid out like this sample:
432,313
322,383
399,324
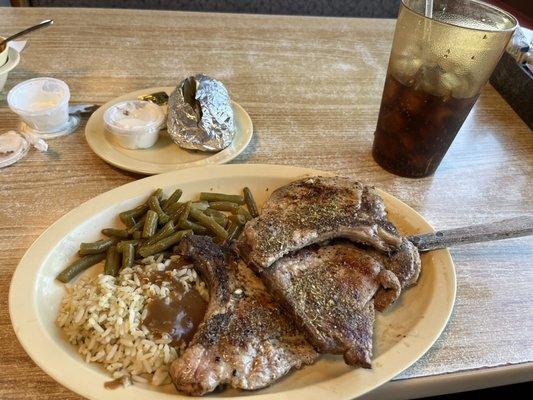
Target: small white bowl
42,103
4,53
13,58
134,124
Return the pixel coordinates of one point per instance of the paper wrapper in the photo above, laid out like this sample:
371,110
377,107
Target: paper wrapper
200,116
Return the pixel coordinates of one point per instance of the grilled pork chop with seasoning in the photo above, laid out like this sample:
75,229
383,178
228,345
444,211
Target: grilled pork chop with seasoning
244,340
329,291
404,262
313,210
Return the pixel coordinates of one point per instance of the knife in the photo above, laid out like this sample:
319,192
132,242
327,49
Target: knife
506,229
82,109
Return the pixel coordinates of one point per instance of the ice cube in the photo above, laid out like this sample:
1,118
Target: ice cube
412,101
427,79
466,87
391,92
406,68
450,81
393,121
441,116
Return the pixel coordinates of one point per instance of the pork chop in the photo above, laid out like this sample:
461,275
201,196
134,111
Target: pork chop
245,340
313,210
329,291
404,262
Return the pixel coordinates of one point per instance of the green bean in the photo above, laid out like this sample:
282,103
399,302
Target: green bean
237,219
208,196
234,231
200,205
162,245
218,216
166,254
158,193
127,216
224,206
174,215
250,202
231,230
138,211
209,223
111,265
79,266
184,214
237,233
97,247
138,225
172,208
137,235
128,255
150,225
165,231
245,213
154,205
117,233
127,220
124,243
174,197
188,225
212,211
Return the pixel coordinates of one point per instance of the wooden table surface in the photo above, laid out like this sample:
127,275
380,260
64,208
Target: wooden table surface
312,87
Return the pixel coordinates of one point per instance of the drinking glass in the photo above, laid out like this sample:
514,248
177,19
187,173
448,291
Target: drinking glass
437,68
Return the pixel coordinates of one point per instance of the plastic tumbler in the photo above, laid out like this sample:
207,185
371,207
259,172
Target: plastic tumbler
437,68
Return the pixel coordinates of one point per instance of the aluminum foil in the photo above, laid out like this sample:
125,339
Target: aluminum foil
200,116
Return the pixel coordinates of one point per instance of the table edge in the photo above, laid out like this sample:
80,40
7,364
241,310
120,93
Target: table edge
147,11
454,382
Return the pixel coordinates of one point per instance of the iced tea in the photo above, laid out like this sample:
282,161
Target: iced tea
416,128
437,68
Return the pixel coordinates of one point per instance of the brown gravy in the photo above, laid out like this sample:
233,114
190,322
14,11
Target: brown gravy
178,315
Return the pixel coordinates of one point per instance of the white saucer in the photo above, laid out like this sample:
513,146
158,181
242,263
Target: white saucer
165,156
71,125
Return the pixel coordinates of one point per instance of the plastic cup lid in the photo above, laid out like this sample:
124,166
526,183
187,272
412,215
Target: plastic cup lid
13,147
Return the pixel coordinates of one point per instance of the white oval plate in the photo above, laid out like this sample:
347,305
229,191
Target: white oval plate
165,155
402,334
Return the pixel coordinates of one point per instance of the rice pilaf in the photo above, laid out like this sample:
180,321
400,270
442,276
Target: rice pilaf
103,317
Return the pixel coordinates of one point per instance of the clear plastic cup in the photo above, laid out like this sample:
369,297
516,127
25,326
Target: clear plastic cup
42,103
436,71
134,124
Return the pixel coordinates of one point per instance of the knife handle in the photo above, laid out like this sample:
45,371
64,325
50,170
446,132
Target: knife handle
506,229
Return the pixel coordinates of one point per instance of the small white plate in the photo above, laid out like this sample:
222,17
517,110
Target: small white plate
401,335
165,155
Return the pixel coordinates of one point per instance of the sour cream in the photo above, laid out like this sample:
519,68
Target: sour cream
134,124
